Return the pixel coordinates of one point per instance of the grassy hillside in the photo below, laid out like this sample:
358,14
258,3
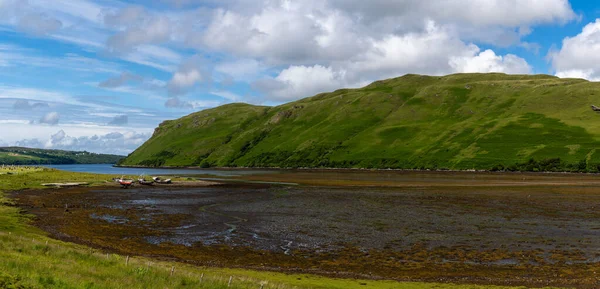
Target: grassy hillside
30,156
30,259
461,121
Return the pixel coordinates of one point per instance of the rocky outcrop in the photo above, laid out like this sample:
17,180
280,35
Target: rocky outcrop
285,114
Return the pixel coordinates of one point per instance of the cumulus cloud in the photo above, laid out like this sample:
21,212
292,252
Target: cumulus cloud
186,78
301,81
488,61
58,137
119,120
579,55
111,143
511,13
279,35
324,45
23,104
305,32
434,51
191,72
120,80
50,118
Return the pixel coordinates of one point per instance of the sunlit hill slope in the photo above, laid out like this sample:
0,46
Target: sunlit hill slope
462,121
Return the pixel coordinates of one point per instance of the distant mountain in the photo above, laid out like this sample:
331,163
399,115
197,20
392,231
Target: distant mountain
463,121
31,156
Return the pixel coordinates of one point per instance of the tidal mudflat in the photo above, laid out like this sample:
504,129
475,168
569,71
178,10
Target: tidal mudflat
491,228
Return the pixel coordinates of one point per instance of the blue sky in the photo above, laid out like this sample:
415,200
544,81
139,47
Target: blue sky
100,75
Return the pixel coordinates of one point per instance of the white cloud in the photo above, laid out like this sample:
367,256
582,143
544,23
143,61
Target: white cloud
301,81
191,72
185,79
311,32
510,13
279,34
50,118
110,143
426,52
95,137
579,56
589,74
435,51
488,61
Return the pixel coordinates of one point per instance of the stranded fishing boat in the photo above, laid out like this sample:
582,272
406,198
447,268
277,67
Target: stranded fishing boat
143,181
161,181
125,184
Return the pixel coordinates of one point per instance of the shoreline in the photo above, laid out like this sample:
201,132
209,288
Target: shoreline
309,169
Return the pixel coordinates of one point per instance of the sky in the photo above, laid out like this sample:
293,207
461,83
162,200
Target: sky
100,75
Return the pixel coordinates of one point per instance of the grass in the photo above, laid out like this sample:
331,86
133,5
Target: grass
30,259
461,121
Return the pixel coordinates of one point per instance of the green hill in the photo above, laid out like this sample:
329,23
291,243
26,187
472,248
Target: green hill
31,156
461,121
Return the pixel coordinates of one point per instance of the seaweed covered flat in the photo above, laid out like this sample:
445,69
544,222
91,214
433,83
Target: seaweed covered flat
512,229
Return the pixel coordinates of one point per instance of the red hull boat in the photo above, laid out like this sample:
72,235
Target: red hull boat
125,183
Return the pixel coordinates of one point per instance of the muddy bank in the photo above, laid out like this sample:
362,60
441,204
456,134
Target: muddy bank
541,231
392,178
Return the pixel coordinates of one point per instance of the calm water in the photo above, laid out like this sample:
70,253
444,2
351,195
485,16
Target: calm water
110,170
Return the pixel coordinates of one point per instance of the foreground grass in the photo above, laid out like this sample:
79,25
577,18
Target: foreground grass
30,259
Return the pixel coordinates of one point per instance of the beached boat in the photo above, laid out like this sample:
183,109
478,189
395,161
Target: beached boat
143,181
125,183
158,180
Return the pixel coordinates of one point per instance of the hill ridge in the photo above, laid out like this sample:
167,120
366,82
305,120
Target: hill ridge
16,155
459,121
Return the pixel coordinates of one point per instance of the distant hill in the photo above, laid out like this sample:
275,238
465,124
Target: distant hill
31,156
462,121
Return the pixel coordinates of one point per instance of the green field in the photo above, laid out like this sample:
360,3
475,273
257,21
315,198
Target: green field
32,156
462,121
30,259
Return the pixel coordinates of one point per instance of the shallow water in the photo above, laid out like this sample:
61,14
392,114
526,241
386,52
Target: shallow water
112,170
